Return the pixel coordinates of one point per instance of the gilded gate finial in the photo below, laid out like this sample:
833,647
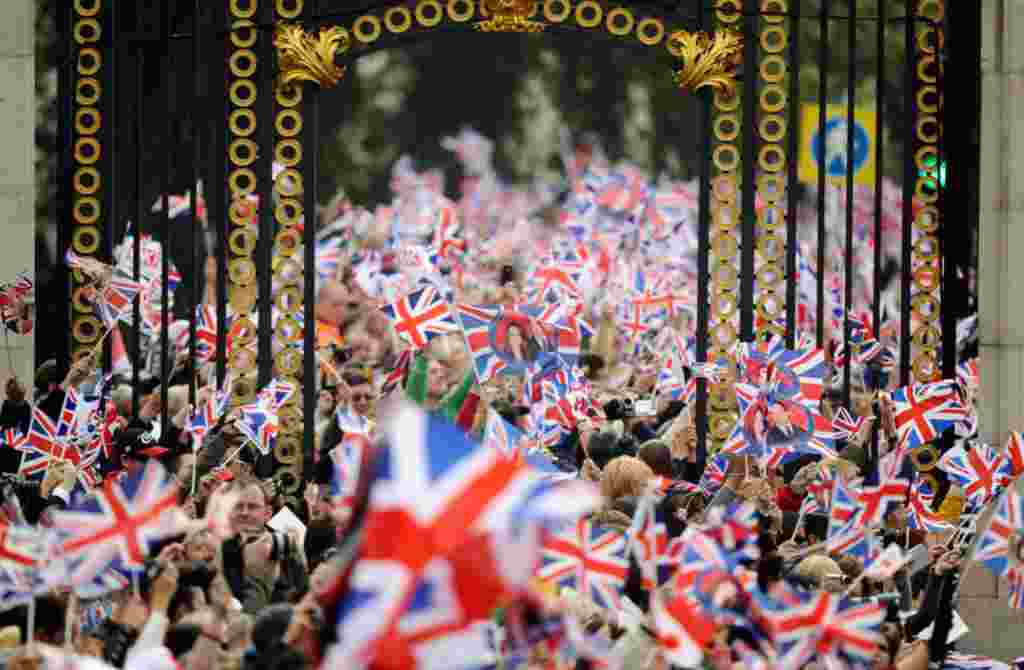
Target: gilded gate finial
708,60
509,16
305,57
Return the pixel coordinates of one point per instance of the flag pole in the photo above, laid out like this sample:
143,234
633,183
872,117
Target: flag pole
30,627
69,620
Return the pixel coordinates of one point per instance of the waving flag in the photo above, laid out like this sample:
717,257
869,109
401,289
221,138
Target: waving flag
23,545
875,499
117,525
589,558
260,424
12,438
975,470
999,546
683,632
846,425
828,625
421,316
844,530
275,394
68,415
922,412
115,300
348,460
920,515
1012,464
649,543
502,435
448,535
43,446
206,416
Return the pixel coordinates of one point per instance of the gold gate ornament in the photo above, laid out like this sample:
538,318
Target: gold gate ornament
306,57
708,60
509,16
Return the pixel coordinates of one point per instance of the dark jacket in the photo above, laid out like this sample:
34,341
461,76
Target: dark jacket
291,583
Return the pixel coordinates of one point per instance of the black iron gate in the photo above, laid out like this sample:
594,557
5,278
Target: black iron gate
239,83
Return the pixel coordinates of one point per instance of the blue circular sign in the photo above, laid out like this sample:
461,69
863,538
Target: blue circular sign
835,147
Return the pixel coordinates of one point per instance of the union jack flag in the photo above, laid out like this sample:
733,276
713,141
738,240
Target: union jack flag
975,470
118,523
275,394
421,316
43,446
449,533
958,661
969,374
68,415
829,625
683,631
844,529
999,545
588,558
260,424
348,459
206,416
846,425
921,516
13,438
1012,463
555,282
714,474
922,412
502,435
648,541
115,301
206,332
23,545
399,372
876,498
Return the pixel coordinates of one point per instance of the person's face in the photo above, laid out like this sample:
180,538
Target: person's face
362,398
200,548
515,338
333,306
250,511
437,379
185,464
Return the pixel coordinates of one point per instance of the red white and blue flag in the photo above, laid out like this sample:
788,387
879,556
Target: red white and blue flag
117,525
920,515
116,299
502,435
975,470
421,316
922,412
68,420
260,424
42,446
589,558
999,545
829,626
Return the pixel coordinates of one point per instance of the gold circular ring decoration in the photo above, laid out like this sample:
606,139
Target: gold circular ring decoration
928,129
88,121
288,153
620,21
289,9
773,39
923,72
244,34
80,301
926,248
243,358
86,240
925,306
288,450
725,278
242,241
725,188
288,123
288,480
721,425
288,183
288,212
87,180
288,362
925,458
925,37
242,182
242,93
90,60
928,479
463,14
723,246
771,216
926,156
88,31
772,188
241,271
771,158
924,367
556,11
289,271
725,305
87,91
87,7
288,299
242,122
726,127
726,157
242,212
242,298
87,329
729,11
287,242
87,210
769,7
934,10
927,336
650,31
771,247
242,9
290,95
726,103
769,305
773,69
589,14
243,332
770,92
772,128
921,190
87,150
242,152
287,328
398,19
429,13
927,219
926,93
242,388
242,63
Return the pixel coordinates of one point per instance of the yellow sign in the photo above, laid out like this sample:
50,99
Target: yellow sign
837,154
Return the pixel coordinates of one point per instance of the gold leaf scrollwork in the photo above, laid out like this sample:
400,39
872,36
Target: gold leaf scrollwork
509,16
305,57
708,60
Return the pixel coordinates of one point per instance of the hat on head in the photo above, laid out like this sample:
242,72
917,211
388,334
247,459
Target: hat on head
139,440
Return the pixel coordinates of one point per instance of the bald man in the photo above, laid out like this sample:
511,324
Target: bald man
335,309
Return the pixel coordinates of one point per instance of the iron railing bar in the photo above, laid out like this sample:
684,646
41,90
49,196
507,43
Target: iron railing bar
908,197
62,204
748,190
109,129
876,298
309,362
218,191
823,27
265,225
165,220
851,103
140,61
703,279
793,149
197,268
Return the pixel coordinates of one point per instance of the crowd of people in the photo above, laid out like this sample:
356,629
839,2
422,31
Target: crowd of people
506,469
